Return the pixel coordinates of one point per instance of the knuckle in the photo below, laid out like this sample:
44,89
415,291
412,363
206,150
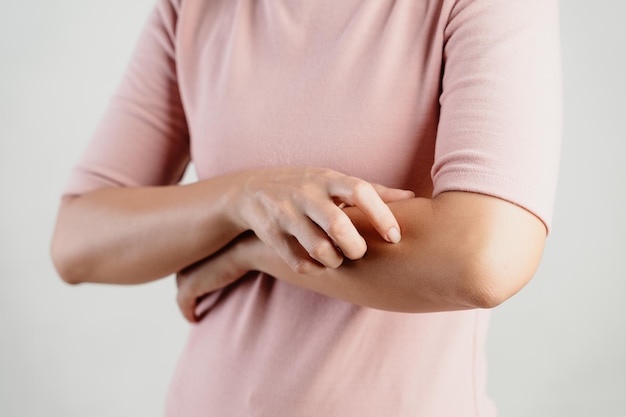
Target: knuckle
273,206
360,250
260,204
283,207
299,199
355,250
322,250
181,299
361,189
302,266
263,196
328,174
284,215
299,266
269,232
305,190
339,226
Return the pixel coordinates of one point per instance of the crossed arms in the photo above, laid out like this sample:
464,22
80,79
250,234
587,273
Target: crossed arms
459,250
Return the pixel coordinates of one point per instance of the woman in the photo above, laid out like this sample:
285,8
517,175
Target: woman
323,293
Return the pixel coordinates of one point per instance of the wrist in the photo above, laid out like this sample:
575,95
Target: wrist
234,200
247,252
224,196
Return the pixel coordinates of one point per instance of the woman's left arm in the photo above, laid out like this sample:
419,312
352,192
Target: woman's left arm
498,135
459,251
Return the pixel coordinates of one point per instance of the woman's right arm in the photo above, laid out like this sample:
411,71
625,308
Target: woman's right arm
131,235
122,220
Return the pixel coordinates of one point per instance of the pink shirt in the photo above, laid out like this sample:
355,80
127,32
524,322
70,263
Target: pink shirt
432,95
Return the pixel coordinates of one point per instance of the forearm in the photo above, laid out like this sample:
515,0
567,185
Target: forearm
135,235
476,251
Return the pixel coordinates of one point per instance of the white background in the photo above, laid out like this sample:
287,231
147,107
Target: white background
556,349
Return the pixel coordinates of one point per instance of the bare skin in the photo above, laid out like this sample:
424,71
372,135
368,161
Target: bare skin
135,235
459,251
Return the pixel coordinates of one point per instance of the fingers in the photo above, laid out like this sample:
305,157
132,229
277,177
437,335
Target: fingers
316,245
299,241
305,256
301,260
186,298
364,195
294,210
201,279
338,226
389,195
193,291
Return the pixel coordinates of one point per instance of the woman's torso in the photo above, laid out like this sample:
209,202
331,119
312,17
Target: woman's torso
352,85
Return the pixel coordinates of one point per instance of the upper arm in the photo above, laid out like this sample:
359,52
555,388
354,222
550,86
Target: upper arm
500,126
142,139
498,141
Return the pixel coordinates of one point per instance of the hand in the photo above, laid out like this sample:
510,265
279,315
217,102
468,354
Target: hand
213,274
298,212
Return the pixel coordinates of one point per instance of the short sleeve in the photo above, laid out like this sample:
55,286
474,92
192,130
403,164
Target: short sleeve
142,139
500,128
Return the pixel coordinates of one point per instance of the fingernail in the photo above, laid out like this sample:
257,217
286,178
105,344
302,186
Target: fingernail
393,235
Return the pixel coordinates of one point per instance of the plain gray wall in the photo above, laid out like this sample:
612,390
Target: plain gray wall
556,349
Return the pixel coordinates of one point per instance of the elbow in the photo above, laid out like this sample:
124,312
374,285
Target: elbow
67,253
485,292
486,249
66,261
486,283
498,265
64,266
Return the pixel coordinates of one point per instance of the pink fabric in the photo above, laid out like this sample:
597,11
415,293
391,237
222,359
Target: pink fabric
433,95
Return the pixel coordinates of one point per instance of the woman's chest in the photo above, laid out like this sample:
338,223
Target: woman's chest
353,87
